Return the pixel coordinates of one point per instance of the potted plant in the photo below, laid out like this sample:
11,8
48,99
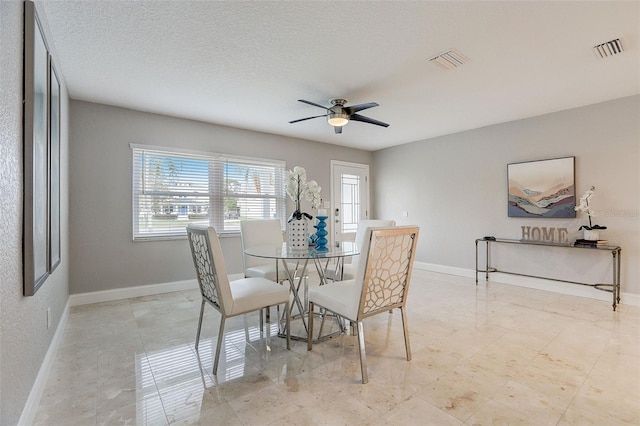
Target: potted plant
298,189
591,232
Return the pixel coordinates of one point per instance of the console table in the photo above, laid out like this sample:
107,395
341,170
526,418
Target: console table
614,250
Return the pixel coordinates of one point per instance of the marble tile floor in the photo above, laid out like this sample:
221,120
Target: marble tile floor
494,354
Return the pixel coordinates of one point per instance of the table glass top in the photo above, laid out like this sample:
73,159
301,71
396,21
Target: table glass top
285,252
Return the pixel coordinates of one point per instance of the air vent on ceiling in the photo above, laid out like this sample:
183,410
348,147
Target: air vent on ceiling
609,48
450,59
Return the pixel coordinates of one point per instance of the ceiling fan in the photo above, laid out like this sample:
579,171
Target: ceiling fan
339,115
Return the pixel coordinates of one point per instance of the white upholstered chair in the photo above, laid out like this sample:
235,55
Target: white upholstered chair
229,298
256,233
262,232
381,284
349,269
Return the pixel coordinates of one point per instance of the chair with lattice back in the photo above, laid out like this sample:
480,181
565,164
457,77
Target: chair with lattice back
380,285
229,298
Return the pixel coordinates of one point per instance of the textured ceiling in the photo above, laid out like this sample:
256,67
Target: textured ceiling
245,64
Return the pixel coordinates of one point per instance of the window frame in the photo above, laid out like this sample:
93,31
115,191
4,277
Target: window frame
217,174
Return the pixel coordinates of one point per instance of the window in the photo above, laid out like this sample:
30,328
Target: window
173,188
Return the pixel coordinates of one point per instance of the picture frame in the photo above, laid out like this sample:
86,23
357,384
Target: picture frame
54,168
36,154
542,188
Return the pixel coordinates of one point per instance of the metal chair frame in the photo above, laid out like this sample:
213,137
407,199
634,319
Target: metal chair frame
214,289
383,273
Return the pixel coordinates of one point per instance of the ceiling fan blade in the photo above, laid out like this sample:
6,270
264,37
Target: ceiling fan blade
307,118
312,103
337,129
355,108
362,118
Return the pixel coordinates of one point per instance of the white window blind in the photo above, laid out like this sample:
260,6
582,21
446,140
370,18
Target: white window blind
172,189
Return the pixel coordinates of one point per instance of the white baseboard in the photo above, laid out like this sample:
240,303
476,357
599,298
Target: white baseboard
33,401
137,291
537,283
443,269
128,292
629,299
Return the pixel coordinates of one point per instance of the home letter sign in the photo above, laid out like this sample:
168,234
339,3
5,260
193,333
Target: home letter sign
544,234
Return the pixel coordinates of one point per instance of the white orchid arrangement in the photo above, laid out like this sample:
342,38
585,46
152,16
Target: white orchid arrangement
298,189
583,206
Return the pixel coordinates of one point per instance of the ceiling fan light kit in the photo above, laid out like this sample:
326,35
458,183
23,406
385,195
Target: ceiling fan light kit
339,115
338,119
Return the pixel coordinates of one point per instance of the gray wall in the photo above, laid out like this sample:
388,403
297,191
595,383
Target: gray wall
24,338
104,256
454,188
459,180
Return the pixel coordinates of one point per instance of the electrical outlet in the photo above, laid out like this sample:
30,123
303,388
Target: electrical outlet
48,317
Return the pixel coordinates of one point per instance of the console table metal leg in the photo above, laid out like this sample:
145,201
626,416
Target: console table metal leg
476,262
616,278
613,285
486,264
486,269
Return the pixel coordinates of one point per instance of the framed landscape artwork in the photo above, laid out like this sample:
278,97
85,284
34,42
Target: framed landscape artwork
544,188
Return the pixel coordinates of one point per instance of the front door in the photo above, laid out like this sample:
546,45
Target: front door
349,198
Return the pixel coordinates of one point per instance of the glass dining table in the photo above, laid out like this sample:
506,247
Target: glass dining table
295,264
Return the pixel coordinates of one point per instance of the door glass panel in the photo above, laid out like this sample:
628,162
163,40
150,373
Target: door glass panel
350,202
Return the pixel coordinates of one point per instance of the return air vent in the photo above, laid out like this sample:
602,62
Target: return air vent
450,59
609,48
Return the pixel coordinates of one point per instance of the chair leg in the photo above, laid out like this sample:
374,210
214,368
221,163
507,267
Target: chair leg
219,347
324,316
286,306
363,354
310,324
405,328
199,324
267,317
279,319
261,322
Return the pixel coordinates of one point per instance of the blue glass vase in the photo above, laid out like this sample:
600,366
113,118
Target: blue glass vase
321,233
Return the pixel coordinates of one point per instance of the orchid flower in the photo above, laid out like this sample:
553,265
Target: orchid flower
583,206
298,188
